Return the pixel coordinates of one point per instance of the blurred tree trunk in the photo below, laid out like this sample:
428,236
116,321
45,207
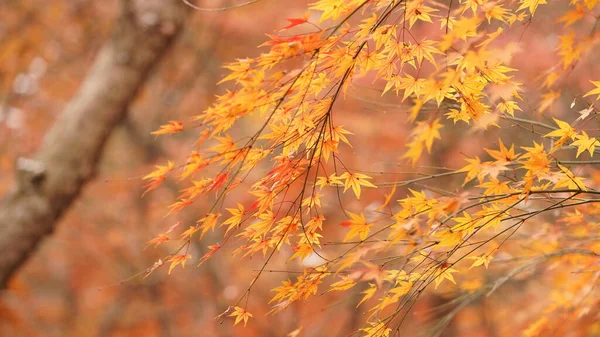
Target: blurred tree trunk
51,180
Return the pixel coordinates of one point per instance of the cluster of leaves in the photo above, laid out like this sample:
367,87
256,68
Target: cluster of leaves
454,76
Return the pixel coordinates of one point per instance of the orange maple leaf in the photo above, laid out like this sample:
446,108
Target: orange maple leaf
209,254
170,128
157,177
161,238
178,260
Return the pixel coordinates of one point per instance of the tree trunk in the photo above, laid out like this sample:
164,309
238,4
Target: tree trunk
49,182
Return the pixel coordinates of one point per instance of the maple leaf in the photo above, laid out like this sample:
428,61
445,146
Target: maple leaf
508,107
388,197
187,234
237,215
425,50
449,238
218,181
210,253
536,328
585,143
473,169
569,180
296,21
494,186
208,222
157,176
572,218
368,293
504,154
532,5
372,272
494,11
415,148
491,37
410,85
358,227
355,181
302,250
465,223
594,91
423,135
431,132
344,284
419,12
484,260
179,205
376,329
161,238
170,128
572,16
564,132
240,315
445,274
194,164
295,333
178,260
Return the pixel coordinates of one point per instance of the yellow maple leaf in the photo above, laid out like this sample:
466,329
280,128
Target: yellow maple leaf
585,143
464,224
473,169
240,315
484,260
594,91
355,181
237,215
376,329
532,5
564,132
178,260
368,293
431,132
295,333
358,226
344,284
425,50
388,197
169,128
569,180
417,11
445,274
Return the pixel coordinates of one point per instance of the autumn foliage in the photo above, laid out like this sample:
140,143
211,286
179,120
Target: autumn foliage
278,160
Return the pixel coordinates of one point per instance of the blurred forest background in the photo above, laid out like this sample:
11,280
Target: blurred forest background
79,281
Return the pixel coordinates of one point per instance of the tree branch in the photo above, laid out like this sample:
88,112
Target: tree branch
48,183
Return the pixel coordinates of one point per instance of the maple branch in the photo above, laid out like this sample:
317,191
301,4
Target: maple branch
529,121
219,9
51,180
537,260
